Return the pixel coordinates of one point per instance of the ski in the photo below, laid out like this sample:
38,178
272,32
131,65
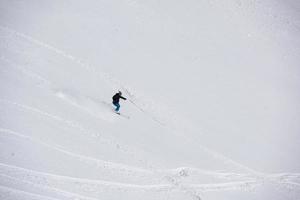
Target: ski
122,115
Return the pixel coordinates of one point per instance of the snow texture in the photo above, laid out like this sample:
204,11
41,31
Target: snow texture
212,92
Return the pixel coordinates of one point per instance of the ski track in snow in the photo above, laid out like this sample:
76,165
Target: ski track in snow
65,96
33,75
13,194
112,81
105,115
115,167
85,186
72,124
125,169
57,181
288,180
132,171
11,182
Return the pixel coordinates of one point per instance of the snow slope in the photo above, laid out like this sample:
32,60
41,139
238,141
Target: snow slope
212,109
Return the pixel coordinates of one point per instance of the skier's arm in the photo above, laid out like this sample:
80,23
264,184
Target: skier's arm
122,97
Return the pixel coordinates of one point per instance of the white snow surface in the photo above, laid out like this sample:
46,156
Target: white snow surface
212,109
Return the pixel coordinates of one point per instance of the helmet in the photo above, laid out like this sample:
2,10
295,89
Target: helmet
120,93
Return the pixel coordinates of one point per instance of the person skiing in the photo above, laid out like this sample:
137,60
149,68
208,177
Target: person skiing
116,98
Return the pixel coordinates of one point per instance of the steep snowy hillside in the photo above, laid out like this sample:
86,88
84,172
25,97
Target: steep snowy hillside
212,94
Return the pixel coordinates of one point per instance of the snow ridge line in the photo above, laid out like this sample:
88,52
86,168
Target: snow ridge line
187,188
105,76
54,117
112,166
41,187
25,71
209,151
4,190
47,84
47,46
43,178
133,171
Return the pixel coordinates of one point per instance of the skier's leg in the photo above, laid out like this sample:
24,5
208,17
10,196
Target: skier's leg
117,107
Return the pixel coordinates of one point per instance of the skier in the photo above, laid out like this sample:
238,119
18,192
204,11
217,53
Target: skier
116,99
